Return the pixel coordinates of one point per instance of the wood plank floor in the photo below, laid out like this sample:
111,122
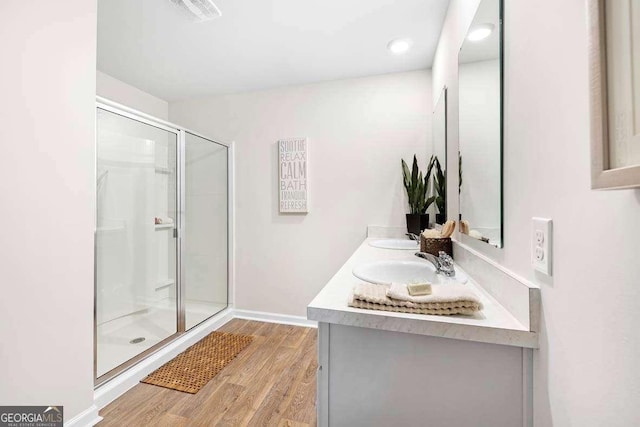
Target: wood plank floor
272,382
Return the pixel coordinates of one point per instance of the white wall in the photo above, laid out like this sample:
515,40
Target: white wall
47,127
358,130
123,93
585,372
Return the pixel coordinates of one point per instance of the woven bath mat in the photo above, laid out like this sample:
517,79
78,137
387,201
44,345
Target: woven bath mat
193,369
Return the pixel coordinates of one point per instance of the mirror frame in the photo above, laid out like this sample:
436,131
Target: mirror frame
501,58
602,176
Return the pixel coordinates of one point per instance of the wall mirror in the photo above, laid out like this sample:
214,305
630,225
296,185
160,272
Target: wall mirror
480,126
438,171
614,49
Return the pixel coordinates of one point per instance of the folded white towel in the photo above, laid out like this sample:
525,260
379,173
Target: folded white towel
446,299
399,291
444,293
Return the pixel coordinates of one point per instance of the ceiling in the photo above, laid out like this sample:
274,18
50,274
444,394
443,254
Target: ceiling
258,44
486,49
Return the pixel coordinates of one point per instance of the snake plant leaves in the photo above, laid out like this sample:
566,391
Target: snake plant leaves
418,186
405,173
440,184
414,170
459,172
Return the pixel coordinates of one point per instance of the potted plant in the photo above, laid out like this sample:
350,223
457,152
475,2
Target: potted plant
418,188
440,186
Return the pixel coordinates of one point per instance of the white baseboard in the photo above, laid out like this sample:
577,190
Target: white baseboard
117,386
286,319
86,418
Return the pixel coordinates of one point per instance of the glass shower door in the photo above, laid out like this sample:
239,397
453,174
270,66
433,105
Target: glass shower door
136,245
205,253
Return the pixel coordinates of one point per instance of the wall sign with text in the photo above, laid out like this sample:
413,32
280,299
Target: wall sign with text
294,173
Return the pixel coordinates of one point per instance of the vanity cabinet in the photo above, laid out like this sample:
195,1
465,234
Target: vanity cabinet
370,377
382,368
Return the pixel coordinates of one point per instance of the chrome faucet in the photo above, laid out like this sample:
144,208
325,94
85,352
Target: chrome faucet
443,262
413,236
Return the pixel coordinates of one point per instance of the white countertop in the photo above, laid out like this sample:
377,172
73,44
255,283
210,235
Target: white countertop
494,324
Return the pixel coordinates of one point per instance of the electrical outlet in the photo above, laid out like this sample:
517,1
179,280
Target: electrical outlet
541,245
539,254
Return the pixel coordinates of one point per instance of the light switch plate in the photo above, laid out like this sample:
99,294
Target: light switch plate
541,255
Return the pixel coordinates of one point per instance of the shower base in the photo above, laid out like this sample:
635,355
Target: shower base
119,340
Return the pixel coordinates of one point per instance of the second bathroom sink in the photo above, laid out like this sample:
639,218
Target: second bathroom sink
387,272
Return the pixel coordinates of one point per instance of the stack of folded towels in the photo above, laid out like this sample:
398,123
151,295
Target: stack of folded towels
445,299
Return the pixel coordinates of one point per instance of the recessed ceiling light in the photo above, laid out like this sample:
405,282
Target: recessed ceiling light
399,46
480,32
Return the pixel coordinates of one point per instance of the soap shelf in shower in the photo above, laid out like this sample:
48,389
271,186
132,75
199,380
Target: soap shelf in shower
166,171
164,284
164,226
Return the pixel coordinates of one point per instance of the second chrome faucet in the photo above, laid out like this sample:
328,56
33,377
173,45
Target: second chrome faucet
443,262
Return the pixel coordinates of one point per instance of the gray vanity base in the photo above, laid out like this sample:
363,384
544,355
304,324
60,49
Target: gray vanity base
370,377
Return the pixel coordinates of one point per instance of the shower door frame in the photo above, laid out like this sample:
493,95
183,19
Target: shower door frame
180,132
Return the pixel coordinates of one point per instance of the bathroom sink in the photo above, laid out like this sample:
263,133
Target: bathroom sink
402,244
387,272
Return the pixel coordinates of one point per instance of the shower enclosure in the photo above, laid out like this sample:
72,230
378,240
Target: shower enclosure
162,235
